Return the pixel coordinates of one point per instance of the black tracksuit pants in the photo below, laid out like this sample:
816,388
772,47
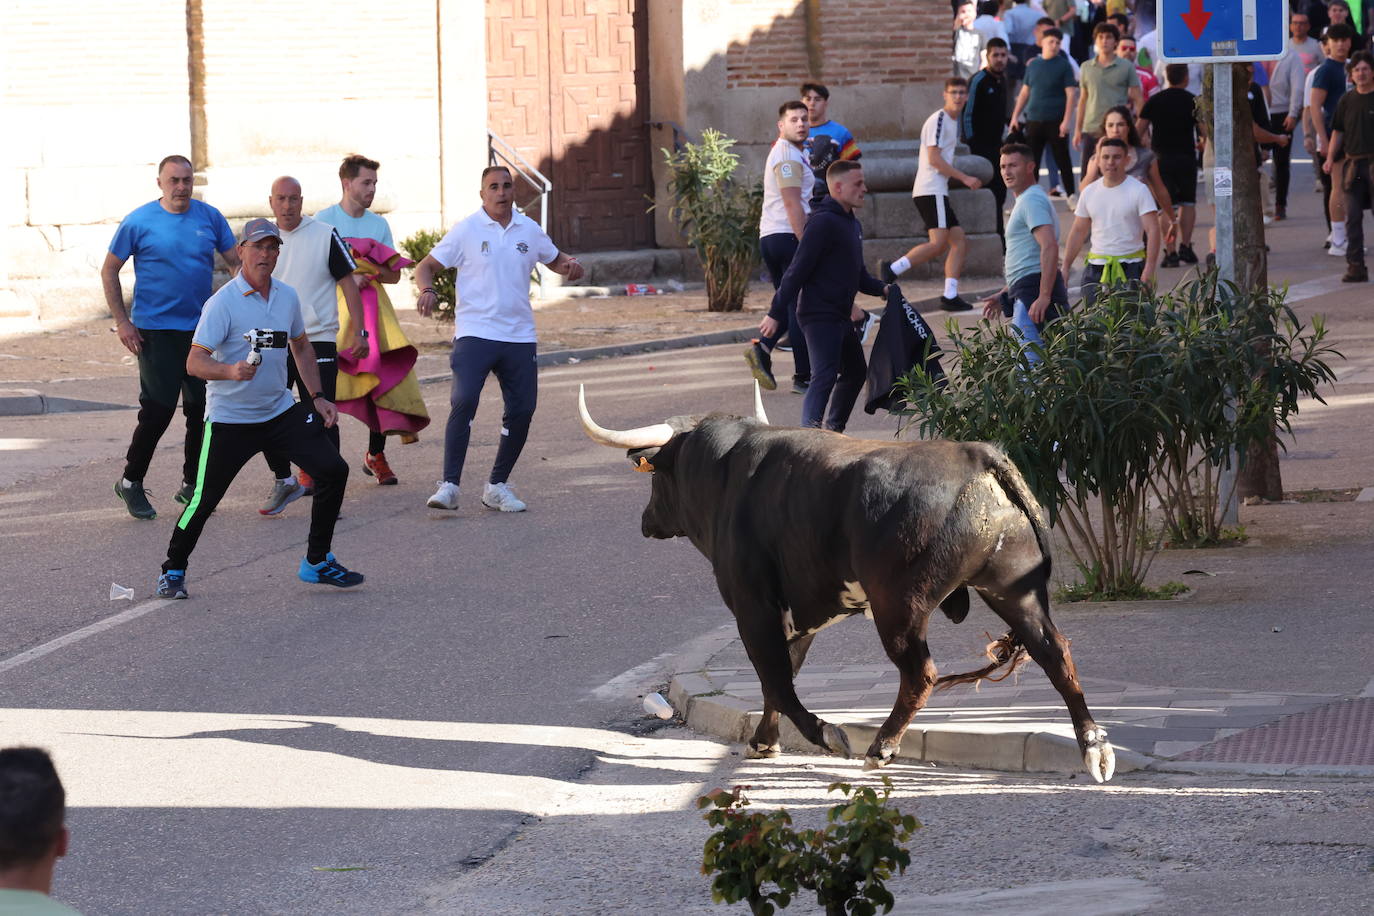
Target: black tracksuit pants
162,379
327,362
296,433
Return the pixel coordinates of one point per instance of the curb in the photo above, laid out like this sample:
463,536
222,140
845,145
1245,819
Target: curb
707,710
27,402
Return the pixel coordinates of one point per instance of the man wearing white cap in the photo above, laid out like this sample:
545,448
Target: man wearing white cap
239,348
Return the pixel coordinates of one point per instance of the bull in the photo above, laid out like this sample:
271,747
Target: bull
805,527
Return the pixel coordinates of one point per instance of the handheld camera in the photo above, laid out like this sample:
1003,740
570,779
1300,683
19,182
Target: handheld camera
260,339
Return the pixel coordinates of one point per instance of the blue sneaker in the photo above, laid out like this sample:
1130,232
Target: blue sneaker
172,584
329,572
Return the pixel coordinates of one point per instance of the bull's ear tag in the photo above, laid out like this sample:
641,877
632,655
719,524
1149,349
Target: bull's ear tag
644,465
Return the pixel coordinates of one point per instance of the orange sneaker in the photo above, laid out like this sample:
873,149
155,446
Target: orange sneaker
376,466
306,481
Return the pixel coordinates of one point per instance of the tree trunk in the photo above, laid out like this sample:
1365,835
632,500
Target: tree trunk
1259,473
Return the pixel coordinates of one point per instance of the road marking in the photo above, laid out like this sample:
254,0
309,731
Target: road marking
61,642
690,656
1311,289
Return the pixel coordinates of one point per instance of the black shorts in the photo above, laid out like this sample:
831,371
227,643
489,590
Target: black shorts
1179,173
935,211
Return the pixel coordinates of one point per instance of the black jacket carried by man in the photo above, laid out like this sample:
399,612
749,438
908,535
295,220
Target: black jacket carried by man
904,342
828,268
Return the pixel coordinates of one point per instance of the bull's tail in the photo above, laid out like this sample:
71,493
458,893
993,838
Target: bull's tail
1004,652
1014,485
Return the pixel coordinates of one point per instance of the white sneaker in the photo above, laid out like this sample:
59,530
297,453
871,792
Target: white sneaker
446,497
1336,251
499,496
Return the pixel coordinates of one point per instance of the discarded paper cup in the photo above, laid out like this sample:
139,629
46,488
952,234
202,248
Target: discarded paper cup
119,591
655,705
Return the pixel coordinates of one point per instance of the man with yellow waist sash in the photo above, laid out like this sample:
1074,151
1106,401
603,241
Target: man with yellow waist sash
1112,216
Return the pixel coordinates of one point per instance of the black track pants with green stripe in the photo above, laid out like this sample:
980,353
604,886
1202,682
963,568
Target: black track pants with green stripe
225,448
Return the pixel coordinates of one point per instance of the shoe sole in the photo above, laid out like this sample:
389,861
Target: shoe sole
502,508
381,482
177,596
127,508
361,578
760,374
299,492
436,504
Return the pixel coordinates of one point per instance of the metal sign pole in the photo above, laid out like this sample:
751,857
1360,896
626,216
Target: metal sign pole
1222,136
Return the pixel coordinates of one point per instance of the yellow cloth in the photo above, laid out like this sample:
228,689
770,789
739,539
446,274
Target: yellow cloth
385,337
1114,272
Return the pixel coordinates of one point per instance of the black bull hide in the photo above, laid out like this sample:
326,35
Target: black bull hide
805,527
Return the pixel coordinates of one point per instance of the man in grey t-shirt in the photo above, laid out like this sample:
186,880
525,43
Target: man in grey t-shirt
239,348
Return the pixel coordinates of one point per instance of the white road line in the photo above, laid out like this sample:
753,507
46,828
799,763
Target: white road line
61,642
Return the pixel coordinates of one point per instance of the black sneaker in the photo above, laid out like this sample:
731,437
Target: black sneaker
783,343
172,584
1186,254
186,493
1171,259
885,272
135,499
761,365
954,304
799,384
329,572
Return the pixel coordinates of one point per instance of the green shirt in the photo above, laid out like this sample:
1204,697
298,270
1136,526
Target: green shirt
1103,89
1047,80
31,903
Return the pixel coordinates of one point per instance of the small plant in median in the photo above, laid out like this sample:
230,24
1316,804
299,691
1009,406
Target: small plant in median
719,214
1139,395
844,864
416,248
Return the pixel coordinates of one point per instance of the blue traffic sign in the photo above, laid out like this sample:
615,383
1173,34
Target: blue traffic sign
1218,31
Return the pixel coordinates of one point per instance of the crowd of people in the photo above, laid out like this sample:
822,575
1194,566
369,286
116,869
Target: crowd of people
1037,83
307,307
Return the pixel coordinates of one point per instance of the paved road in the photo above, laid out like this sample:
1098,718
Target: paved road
225,748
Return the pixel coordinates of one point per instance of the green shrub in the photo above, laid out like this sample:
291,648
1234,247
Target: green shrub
844,863
417,247
1140,394
718,214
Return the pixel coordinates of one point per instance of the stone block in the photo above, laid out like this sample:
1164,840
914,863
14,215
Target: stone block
976,166
614,268
990,749
668,263
16,196
976,209
897,217
87,194
983,259
723,716
890,171
867,215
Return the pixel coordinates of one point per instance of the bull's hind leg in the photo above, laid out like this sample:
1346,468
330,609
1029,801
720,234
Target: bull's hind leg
1027,611
901,624
765,741
761,631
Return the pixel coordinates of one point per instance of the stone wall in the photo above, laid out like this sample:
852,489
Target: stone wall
97,95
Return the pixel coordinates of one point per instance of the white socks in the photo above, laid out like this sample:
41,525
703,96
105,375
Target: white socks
900,266
1337,233
951,287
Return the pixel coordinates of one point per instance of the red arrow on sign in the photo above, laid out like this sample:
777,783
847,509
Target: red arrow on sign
1196,18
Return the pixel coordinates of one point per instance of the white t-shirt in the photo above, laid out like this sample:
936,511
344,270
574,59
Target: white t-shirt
786,168
313,259
494,266
1116,214
940,131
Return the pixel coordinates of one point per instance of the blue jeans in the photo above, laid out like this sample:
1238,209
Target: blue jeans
1025,329
777,250
514,365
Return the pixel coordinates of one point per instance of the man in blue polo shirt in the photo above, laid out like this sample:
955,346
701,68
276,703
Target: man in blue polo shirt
240,348
494,251
173,241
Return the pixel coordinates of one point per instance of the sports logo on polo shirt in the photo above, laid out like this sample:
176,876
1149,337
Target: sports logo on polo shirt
486,247
522,247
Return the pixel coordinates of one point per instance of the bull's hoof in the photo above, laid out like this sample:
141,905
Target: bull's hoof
762,751
879,756
1098,755
836,741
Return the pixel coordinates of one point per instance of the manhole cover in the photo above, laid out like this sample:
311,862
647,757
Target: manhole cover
1341,734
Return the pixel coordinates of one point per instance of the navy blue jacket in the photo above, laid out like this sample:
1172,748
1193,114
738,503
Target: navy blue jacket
828,268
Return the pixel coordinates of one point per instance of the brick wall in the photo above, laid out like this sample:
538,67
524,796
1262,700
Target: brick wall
861,42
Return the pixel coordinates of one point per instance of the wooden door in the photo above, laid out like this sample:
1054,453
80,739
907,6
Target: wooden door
568,87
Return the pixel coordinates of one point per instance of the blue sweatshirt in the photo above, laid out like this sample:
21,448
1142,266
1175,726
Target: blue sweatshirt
828,268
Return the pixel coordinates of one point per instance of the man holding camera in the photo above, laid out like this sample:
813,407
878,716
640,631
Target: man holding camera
239,348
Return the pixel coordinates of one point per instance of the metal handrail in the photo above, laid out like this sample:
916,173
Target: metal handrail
499,152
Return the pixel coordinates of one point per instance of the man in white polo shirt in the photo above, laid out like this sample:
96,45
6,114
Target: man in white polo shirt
494,252
1112,215
317,263
788,186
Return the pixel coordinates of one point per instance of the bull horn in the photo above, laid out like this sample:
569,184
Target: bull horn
643,437
759,413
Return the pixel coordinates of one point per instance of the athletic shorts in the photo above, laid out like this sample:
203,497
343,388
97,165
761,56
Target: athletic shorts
1179,173
935,211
